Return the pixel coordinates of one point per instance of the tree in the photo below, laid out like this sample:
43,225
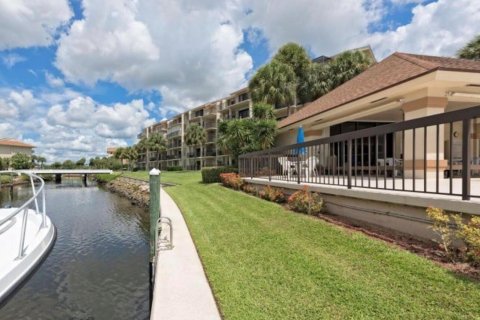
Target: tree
68,164
4,163
157,143
118,153
296,57
263,111
275,83
20,161
41,160
56,165
346,66
471,50
315,82
81,162
131,154
239,136
195,135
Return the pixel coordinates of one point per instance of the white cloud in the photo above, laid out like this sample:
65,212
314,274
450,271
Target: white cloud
438,28
75,126
188,51
26,23
324,27
53,81
9,60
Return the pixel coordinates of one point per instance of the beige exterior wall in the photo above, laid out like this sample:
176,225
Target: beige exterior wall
9,151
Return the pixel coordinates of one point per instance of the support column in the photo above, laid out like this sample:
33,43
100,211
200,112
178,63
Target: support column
58,178
415,161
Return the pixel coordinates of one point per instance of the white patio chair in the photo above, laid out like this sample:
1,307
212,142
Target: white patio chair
287,166
311,166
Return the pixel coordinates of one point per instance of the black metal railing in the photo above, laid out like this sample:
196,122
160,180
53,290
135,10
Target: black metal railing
434,154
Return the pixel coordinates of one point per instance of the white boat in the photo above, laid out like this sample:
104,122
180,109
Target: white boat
26,236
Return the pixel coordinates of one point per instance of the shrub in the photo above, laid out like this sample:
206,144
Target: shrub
272,194
306,202
175,168
441,226
231,180
212,174
451,227
5,179
248,188
470,234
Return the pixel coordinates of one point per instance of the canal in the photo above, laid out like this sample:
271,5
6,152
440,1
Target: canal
98,267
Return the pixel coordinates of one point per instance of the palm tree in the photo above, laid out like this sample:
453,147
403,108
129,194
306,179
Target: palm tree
471,50
275,84
42,160
265,131
157,143
263,111
131,154
346,66
195,135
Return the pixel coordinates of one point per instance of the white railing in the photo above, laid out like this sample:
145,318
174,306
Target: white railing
40,191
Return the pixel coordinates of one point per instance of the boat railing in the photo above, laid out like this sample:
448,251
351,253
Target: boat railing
36,193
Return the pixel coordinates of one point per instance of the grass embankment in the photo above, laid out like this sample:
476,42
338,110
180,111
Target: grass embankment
106,177
265,262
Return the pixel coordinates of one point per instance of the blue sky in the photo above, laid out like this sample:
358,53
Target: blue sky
77,76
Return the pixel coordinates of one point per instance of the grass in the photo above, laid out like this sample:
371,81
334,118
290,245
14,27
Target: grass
265,262
106,177
174,177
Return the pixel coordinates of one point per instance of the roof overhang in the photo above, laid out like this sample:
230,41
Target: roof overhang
436,83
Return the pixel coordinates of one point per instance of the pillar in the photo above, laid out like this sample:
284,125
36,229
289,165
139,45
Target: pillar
58,178
418,109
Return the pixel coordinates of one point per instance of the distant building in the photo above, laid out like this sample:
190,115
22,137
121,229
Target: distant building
111,151
9,147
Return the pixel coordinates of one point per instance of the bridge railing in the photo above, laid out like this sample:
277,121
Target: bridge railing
37,191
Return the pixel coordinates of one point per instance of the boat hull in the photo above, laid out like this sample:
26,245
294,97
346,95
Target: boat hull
38,242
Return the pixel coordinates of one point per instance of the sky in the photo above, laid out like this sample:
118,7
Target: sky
77,76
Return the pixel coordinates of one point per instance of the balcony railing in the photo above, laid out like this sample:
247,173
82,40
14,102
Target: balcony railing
403,156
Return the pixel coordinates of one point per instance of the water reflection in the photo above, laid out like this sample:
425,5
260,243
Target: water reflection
98,268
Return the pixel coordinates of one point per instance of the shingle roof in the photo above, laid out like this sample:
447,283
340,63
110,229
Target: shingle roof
14,143
393,70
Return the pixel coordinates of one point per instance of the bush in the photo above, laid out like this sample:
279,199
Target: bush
175,168
272,194
451,227
5,179
306,202
20,161
212,174
231,180
248,188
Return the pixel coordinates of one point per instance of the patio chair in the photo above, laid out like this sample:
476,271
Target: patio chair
288,166
311,166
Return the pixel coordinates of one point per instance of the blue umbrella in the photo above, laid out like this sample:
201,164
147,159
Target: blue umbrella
301,139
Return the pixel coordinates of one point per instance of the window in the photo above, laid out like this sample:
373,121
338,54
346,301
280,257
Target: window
243,113
199,113
243,97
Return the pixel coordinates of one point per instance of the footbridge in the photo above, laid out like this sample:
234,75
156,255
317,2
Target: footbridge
59,172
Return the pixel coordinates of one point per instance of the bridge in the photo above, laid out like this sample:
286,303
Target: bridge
59,172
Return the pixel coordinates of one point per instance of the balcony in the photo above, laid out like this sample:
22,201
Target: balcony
209,125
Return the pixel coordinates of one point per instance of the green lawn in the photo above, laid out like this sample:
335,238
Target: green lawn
176,177
265,262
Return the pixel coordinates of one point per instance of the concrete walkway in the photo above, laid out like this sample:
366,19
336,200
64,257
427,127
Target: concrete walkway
181,288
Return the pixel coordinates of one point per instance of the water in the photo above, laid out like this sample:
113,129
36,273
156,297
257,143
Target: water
98,267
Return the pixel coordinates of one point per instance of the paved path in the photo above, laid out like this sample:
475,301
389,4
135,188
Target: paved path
181,288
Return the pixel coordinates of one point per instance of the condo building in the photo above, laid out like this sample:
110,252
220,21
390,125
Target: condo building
236,105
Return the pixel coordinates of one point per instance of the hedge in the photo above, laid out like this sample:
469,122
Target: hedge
212,174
